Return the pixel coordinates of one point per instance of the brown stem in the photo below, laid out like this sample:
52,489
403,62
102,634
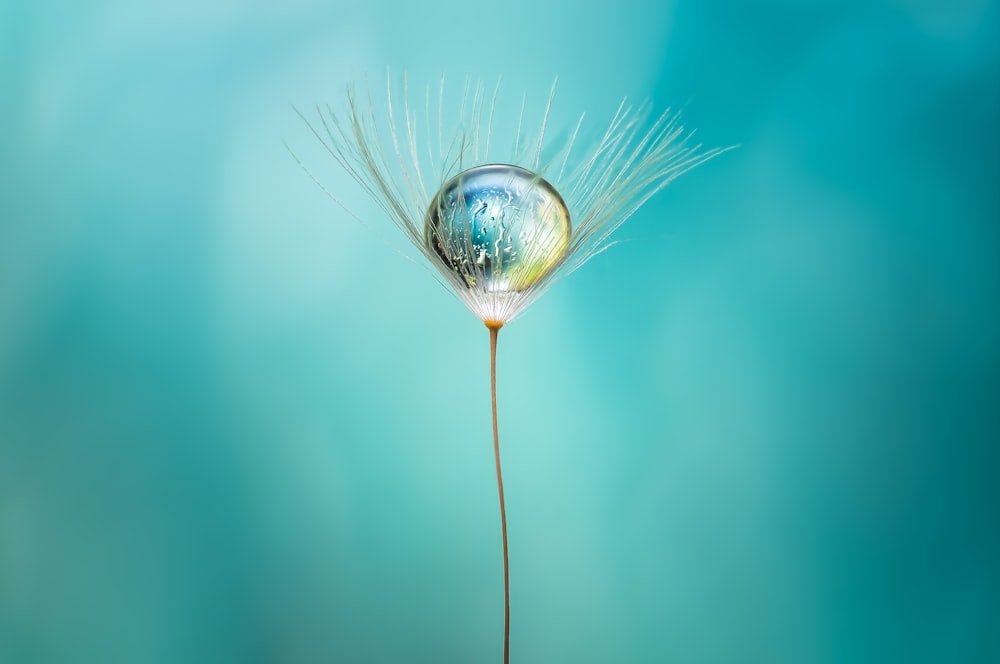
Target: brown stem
494,328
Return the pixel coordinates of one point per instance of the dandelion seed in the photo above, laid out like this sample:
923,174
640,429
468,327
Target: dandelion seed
500,231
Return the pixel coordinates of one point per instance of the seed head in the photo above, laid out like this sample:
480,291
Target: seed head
497,227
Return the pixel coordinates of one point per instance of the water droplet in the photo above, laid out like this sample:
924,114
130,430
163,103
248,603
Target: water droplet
499,227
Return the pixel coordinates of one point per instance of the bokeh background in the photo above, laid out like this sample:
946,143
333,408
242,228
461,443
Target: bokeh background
236,427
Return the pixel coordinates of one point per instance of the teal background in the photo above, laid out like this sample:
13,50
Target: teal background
236,427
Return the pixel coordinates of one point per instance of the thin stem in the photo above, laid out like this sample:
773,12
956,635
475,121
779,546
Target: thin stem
494,328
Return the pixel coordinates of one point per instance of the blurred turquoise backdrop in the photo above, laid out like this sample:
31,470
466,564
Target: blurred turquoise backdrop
235,427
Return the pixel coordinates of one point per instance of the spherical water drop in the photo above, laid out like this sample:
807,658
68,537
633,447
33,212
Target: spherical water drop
499,227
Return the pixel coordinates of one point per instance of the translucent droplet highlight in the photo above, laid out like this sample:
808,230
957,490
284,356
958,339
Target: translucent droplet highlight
498,227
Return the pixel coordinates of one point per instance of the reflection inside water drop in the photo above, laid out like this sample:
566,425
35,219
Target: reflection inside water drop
499,227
